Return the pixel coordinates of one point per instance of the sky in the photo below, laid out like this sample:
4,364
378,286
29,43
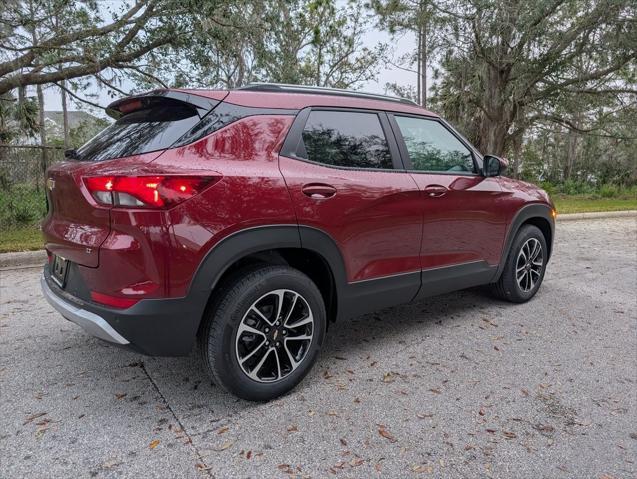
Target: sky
387,74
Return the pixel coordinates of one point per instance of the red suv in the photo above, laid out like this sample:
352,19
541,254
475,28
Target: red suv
249,219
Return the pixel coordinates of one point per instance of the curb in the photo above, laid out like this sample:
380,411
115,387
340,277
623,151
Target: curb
31,259
596,215
22,259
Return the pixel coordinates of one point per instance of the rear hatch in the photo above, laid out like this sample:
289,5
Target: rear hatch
76,225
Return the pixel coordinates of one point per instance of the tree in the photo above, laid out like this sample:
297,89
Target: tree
420,18
511,64
310,42
17,118
316,43
95,38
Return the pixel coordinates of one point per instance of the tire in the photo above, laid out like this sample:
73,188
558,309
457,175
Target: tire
508,287
249,301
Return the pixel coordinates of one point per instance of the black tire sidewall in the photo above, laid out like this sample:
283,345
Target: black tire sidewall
228,315
512,289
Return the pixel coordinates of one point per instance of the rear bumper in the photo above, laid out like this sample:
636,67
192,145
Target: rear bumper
155,327
92,323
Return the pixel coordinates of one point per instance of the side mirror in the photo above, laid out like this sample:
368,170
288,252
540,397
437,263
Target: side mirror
494,165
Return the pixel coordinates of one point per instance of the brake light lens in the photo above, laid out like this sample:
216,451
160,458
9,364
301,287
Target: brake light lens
145,191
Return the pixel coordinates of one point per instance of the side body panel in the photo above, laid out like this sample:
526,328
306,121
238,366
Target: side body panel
250,191
374,217
466,224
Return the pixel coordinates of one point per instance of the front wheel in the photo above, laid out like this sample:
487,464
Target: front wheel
525,266
264,332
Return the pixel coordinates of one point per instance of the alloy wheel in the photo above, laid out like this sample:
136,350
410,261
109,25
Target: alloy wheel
274,335
529,264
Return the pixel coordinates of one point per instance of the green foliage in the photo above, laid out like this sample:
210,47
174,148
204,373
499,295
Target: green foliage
17,118
54,41
586,190
511,66
310,42
21,205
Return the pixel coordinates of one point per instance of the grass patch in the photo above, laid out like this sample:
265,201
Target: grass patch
26,238
586,204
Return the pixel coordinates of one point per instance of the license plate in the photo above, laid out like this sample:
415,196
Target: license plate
58,272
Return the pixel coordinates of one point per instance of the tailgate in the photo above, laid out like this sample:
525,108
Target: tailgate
75,226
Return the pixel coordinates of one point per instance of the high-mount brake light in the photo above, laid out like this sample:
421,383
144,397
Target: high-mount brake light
131,105
145,191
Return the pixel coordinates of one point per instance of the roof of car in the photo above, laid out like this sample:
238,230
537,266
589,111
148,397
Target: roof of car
298,97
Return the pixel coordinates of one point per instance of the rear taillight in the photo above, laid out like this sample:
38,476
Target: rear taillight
145,191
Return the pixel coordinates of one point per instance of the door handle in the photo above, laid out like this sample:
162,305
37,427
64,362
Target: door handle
435,191
318,191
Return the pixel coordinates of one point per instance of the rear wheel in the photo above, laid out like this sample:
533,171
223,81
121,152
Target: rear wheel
525,266
263,332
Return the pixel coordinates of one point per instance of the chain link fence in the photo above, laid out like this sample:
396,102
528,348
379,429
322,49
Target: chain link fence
22,183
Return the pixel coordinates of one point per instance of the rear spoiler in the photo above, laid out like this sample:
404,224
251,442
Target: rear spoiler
120,107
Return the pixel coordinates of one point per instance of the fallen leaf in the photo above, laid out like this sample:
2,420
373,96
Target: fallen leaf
293,428
356,461
378,466
154,443
224,446
33,417
332,413
435,391
285,468
419,468
481,411
340,358
386,434
544,428
248,454
509,435
111,463
343,442
120,395
424,416
388,378
223,430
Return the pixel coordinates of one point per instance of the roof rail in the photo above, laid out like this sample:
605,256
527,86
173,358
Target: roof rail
319,90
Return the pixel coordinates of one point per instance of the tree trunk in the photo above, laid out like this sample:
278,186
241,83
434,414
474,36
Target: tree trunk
43,155
571,152
418,66
65,117
319,60
423,68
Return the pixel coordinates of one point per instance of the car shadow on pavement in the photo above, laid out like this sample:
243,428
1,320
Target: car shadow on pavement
186,389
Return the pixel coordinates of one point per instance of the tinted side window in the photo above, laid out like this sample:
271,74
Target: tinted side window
432,147
351,139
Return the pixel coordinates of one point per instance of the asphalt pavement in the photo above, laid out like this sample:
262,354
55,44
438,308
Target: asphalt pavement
456,386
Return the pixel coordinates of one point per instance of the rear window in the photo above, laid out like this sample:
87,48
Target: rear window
155,126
